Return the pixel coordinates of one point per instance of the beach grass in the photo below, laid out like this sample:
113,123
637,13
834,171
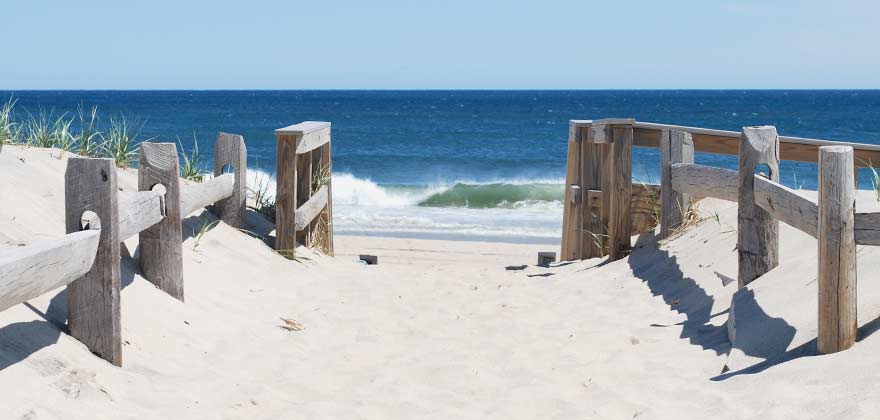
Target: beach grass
123,139
191,168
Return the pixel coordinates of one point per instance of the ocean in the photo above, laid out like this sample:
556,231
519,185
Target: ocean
465,165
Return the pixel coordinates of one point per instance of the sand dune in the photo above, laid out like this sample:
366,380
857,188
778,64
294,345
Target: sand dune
436,330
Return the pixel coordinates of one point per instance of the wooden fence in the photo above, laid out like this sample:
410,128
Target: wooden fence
304,203
99,217
600,162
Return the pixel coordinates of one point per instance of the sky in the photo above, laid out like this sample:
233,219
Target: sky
451,44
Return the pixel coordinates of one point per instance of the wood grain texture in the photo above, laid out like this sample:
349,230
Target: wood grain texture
229,149
140,210
676,147
313,140
867,228
705,181
727,142
161,257
787,205
307,212
285,194
303,192
93,312
590,217
619,186
199,195
837,250
327,162
645,208
301,129
570,228
29,271
757,230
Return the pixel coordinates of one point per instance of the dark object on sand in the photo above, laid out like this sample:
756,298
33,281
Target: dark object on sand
545,258
515,267
369,259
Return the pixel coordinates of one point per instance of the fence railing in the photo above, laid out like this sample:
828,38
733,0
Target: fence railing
304,203
600,160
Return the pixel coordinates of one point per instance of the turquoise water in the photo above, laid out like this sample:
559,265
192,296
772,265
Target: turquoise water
466,164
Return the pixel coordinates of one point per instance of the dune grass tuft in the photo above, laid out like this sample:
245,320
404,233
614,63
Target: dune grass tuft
122,140
191,167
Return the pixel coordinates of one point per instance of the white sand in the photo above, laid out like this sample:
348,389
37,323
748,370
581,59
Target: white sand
437,330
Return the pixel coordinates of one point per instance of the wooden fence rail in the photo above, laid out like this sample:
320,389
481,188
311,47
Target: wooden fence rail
303,199
98,217
762,201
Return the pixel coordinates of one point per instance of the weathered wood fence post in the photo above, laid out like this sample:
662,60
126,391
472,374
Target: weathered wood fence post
675,147
93,313
161,246
617,184
230,150
837,250
582,223
303,154
758,231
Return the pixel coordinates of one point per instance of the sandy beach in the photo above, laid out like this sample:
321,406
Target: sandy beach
438,329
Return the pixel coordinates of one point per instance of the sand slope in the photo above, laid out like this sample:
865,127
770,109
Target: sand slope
436,330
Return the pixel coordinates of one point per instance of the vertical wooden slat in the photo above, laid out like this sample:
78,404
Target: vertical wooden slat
93,300
675,147
620,191
161,258
837,250
758,231
570,227
327,162
229,149
285,195
303,191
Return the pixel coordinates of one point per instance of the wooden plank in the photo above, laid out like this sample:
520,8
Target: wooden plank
202,194
707,140
30,271
285,194
867,228
313,140
570,227
140,210
757,230
303,193
619,186
645,208
327,160
675,147
705,181
310,209
787,205
837,250
301,129
93,312
161,258
230,150
589,216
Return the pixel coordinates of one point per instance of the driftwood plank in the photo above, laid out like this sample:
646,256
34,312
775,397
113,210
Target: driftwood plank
571,208
161,249
93,313
202,194
29,271
229,149
140,210
705,181
619,186
787,205
757,230
867,228
837,250
285,193
310,209
675,147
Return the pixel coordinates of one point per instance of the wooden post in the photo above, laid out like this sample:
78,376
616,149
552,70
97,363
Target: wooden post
161,248
675,147
582,220
327,162
837,250
93,314
571,228
303,191
229,149
618,184
285,193
758,231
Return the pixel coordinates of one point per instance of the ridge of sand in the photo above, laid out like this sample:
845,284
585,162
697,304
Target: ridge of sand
437,330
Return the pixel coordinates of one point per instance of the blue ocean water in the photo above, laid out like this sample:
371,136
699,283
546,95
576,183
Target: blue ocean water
465,164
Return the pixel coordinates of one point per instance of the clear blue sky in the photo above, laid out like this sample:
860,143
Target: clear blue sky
450,44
